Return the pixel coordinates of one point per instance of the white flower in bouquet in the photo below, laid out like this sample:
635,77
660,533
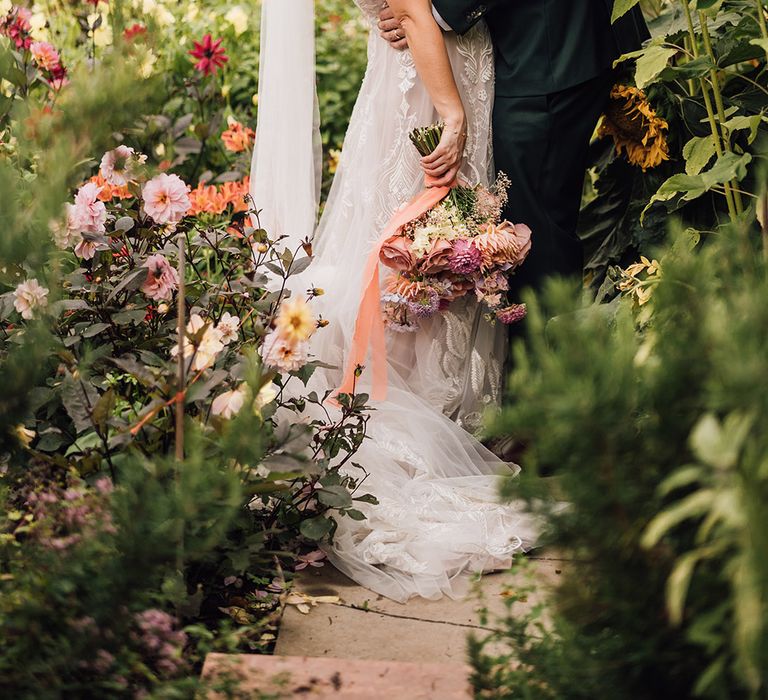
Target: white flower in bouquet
28,297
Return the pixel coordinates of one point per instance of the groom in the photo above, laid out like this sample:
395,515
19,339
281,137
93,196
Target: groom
553,77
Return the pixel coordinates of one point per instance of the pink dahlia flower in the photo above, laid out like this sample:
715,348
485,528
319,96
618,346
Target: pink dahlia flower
512,314
162,278
88,214
466,258
166,199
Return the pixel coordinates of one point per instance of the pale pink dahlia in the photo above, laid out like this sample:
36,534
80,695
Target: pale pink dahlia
162,278
116,166
166,199
88,214
28,297
282,354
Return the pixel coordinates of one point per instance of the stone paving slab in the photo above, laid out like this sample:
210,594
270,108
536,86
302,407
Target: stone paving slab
364,625
281,677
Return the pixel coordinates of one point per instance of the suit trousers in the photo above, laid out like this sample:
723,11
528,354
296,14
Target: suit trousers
542,144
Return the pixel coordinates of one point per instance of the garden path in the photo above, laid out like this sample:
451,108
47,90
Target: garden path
361,646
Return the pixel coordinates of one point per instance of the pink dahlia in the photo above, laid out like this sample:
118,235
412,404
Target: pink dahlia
512,314
45,56
116,165
466,258
210,54
88,214
166,199
162,278
15,25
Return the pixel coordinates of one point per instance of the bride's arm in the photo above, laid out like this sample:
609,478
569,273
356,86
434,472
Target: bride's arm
430,55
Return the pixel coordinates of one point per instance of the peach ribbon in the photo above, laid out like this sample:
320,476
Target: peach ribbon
369,327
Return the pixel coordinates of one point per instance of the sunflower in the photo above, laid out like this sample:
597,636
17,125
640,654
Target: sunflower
635,127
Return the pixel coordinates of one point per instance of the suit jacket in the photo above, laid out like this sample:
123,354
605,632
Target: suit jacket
545,46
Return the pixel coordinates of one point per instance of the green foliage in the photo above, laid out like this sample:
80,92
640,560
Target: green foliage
657,433
703,73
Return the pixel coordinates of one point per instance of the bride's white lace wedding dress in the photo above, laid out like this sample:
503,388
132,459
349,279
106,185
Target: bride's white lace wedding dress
438,518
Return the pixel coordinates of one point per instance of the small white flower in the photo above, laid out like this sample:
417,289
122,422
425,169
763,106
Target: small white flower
228,326
229,403
28,296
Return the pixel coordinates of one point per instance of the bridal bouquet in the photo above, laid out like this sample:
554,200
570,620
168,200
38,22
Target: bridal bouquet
460,246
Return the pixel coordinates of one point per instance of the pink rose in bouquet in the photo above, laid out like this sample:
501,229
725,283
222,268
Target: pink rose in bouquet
396,254
437,259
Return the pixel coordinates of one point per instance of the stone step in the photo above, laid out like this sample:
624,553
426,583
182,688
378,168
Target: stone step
283,677
364,625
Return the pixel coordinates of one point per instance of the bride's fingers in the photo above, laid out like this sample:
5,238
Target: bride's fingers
389,25
448,178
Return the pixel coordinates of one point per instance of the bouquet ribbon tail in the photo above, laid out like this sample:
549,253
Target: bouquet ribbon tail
369,327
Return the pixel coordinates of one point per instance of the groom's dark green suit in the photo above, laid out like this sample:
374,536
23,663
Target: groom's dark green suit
553,75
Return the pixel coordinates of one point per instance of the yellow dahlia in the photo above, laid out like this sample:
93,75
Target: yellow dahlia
635,127
295,322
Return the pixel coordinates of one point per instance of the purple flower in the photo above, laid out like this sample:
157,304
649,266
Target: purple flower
466,258
427,303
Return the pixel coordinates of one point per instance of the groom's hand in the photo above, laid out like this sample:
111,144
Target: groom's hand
390,29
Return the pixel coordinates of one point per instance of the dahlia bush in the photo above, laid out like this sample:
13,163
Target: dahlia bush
154,507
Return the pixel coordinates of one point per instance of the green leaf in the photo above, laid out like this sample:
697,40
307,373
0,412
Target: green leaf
355,514
78,396
103,409
746,122
697,153
762,43
95,329
335,497
621,7
720,446
692,506
652,61
316,528
679,582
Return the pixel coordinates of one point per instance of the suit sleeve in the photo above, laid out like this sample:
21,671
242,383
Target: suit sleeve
462,15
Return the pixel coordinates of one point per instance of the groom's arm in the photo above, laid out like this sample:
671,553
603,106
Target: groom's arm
461,15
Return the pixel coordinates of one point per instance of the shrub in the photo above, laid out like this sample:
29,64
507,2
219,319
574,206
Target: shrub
655,425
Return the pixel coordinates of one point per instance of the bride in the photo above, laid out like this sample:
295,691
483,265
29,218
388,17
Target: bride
438,519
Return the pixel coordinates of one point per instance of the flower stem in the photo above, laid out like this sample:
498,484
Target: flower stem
719,103
708,104
181,327
761,19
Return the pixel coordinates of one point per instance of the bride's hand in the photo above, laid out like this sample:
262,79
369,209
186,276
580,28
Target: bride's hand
444,163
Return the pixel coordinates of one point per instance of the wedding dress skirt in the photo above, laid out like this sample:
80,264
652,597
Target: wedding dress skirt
438,518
